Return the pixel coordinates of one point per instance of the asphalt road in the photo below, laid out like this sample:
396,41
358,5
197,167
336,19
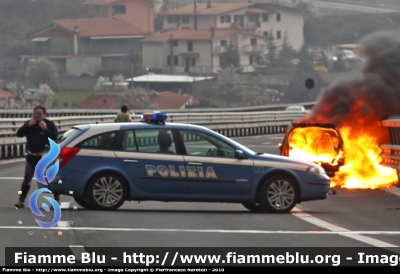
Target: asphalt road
351,218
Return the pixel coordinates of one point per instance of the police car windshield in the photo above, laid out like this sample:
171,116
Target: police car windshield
240,146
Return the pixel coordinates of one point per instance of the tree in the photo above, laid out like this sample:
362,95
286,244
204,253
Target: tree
297,90
307,8
18,101
42,71
115,81
42,94
100,82
272,51
158,23
230,57
19,17
135,59
137,98
227,84
286,54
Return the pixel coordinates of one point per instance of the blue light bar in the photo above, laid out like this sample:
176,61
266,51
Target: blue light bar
160,116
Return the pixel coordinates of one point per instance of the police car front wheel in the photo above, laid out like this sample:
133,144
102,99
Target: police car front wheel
279,194
257,208
83,202
107,191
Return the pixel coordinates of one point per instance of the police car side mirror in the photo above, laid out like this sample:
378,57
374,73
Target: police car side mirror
240,154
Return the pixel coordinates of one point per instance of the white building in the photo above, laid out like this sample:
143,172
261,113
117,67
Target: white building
196,35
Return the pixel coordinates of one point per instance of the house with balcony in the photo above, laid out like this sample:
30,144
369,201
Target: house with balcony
101,40
196,35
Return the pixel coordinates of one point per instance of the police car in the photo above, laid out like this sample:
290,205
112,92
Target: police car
107,164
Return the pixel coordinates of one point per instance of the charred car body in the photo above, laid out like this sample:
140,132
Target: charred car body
318,143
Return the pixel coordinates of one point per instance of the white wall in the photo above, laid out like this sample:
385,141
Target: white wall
291,22
79,65
153,55
206,22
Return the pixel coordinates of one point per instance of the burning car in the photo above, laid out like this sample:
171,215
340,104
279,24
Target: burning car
318,143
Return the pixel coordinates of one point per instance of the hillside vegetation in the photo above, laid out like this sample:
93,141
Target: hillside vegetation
20,17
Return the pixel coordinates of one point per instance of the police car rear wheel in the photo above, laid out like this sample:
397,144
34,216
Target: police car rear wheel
254,207
107,191
279,194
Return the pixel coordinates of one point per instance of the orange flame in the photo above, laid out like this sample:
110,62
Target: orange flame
361,156
362,168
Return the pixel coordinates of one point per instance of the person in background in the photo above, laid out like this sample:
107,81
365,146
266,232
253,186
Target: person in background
124,115
37,131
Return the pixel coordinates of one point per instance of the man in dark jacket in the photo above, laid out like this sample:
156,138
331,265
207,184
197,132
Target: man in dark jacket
37,131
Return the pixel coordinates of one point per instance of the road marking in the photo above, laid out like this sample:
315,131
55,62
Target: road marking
11,178
267,143
63,223
65,205
309,232
78,250
11,161
395,191
355,235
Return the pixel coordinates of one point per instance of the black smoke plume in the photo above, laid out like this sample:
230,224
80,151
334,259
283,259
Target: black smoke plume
363,102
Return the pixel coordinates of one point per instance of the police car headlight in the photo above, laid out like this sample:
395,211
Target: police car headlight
316,169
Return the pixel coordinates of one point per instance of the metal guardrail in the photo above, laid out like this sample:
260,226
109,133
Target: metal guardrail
96,112
229,124
391,152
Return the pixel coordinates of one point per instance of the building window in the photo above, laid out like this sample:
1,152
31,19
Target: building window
253,18
193,62
185,19
173,19
278,34
265,33
224,43
225,19
265,17
169,61
251,59
278,17
176,61
253,41
239,20
119,9
190,46
175,43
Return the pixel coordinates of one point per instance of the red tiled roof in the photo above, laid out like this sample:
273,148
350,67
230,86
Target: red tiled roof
5,94
170,100
98,2
99,27
195,101
185,34
259,11
96,101
201,9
